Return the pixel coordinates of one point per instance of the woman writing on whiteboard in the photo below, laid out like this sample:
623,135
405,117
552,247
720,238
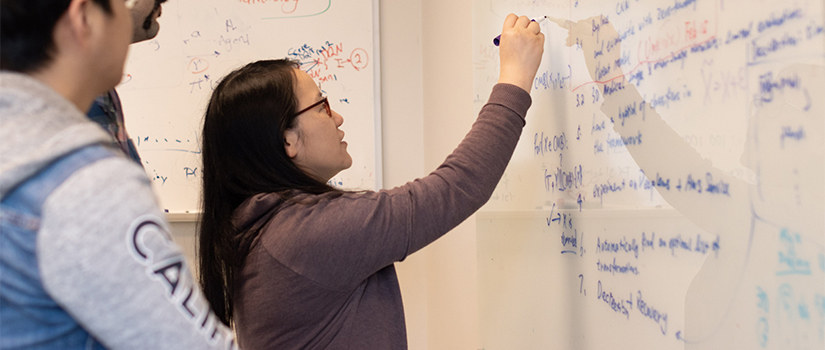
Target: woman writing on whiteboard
295,263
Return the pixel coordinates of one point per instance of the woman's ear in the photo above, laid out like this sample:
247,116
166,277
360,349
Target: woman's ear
291,143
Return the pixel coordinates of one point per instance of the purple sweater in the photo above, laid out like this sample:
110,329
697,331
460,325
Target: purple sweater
321,275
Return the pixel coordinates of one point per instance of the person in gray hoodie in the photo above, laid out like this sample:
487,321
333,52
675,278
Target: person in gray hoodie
86,260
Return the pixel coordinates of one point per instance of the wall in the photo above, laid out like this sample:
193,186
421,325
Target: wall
448,114
401,81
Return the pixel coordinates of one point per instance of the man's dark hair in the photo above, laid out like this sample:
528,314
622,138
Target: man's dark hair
26,28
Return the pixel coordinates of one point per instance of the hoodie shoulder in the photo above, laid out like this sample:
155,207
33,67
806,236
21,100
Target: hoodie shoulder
37,125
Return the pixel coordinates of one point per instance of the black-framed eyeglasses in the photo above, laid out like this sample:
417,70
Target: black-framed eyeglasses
323,101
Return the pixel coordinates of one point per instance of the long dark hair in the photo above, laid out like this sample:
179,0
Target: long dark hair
244,155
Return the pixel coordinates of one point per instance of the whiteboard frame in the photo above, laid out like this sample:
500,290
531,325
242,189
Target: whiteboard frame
379,140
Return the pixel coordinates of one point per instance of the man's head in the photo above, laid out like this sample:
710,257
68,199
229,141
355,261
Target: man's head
27,28
76,46
145,15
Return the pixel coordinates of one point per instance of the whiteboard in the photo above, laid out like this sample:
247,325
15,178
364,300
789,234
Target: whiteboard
168,80
677,203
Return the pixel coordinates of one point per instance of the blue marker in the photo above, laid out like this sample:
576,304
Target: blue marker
561,22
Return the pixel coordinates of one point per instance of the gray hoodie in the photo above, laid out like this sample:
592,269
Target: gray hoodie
103,248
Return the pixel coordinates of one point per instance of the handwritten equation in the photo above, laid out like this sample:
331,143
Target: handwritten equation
672,161
168,80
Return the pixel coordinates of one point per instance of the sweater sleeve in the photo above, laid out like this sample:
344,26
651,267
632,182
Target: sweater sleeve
107,258
469,175
340,242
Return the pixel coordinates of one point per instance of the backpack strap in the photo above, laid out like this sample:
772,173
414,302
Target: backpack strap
31,194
